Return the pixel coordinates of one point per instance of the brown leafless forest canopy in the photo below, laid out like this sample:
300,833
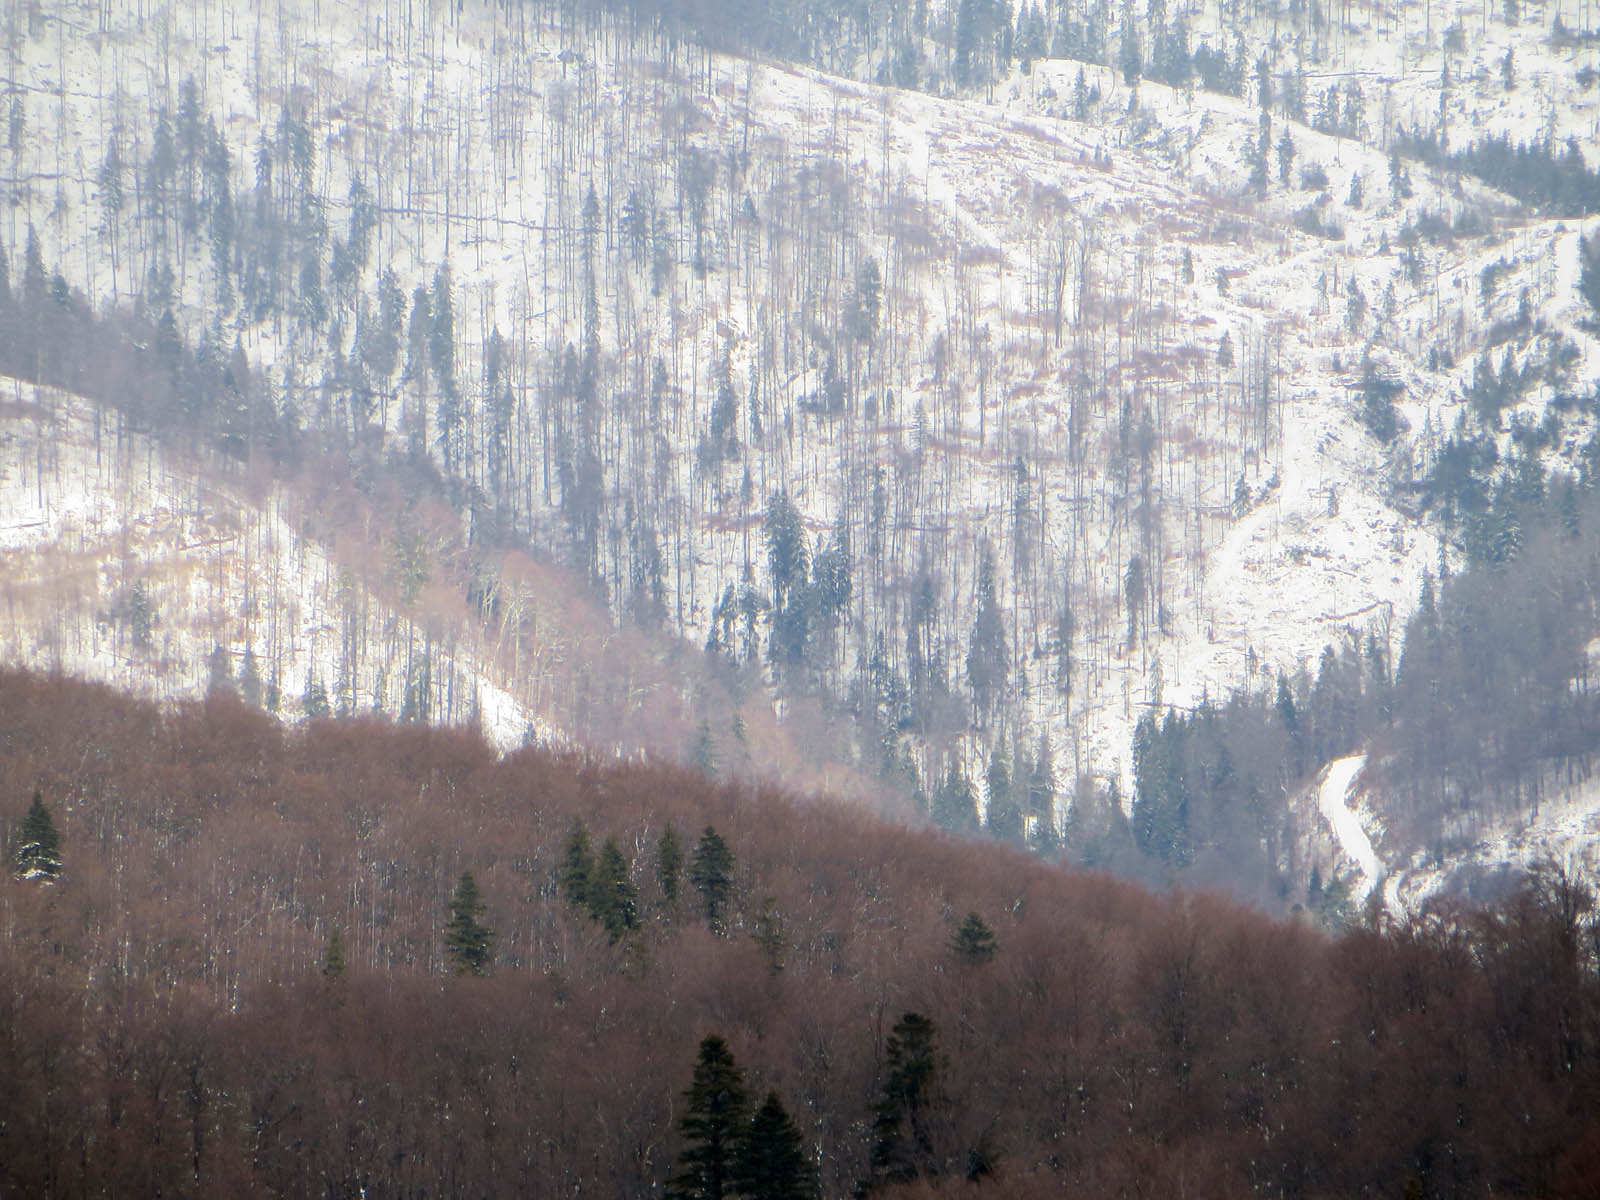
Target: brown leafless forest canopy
169,1024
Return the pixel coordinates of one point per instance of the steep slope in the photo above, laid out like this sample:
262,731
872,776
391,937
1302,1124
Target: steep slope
173,575
123,563
641,293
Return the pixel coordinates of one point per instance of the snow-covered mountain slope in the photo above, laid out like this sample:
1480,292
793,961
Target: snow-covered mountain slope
1087,345
131,562
1478,860
120,563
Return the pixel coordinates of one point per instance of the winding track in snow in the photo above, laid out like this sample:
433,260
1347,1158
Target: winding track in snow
1332,799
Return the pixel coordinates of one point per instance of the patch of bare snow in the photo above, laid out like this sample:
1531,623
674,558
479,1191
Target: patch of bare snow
1333,799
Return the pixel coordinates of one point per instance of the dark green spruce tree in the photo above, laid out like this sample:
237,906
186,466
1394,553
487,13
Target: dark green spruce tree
333,962
669,864
713,1126
1004,814
954,806
902,1128
986,650
577,864
468,940
711,873
770,1163
1045,836
974,941
613,899
1589,272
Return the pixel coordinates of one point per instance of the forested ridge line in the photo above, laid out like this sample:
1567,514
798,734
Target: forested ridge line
352,956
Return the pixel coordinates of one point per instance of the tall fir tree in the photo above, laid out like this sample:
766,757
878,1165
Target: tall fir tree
974,942
902,1128
333,961
468,940
250,685
577,864
770,1163
1046,837
669,864
712,1126
954,806
711,873
613,899
1589,272
986,649
770,932
1004,813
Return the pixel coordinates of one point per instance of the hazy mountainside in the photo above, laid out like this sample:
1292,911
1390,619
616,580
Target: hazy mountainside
996,421
95,511
348,956
127,558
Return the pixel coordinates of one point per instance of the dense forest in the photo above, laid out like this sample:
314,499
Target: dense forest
1209,781
353,957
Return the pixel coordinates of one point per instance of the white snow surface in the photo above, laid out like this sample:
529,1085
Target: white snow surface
1334,794
89,509
986,198
1563,829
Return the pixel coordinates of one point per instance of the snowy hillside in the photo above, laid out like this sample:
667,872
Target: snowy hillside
127,562
1089,357
119,565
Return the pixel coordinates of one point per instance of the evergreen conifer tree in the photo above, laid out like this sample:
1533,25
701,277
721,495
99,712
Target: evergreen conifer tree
770,1163
711,873
974,941
315,701
669,864
333,964
613,900
1042,800
250,686
469,941
770,934
902,1147
1133,593
577,864
712,1126
1161,796
966,38
1004,813
441,329
869,300
219,672
1130,56
1589,271
954,806
1285,156
986,650
36,847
